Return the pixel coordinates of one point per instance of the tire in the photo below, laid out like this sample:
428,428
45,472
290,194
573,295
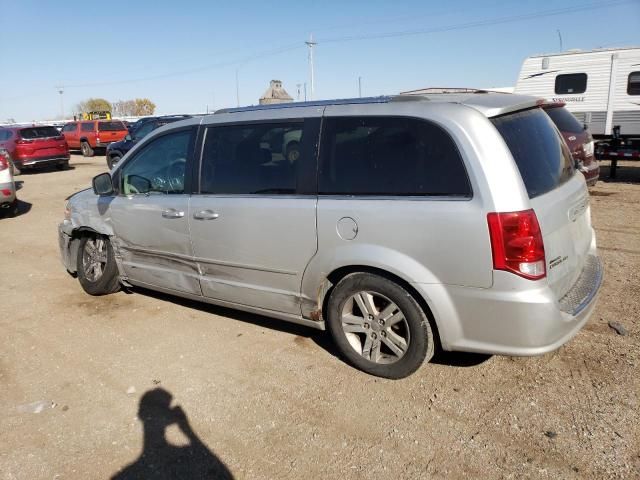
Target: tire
86,149
107,281
293,152
63,166
112,160
394,304
14,209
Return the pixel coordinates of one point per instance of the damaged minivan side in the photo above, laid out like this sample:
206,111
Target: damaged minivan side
399,224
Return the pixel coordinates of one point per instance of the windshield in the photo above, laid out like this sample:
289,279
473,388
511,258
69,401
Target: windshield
564,120
111,126
540,154
39,132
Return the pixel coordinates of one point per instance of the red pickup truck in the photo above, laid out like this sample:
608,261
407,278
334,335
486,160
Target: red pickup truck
88,135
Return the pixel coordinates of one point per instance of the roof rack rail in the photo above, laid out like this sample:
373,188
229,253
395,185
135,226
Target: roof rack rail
319,103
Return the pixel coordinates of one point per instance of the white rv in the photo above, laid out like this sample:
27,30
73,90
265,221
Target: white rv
600,87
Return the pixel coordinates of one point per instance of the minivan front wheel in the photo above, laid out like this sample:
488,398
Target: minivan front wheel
378,326
97,270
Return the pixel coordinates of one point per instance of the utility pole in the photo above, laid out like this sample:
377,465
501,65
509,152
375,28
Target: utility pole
60,89
311,44
360,87
560,37
305,91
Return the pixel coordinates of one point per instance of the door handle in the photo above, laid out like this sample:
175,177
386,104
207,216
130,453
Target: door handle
205,215
172,213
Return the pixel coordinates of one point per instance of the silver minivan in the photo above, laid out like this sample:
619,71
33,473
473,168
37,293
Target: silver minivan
400,224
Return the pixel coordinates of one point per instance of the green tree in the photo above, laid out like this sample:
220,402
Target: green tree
144,106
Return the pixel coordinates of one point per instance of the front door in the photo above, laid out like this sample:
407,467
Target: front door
253,224
150,214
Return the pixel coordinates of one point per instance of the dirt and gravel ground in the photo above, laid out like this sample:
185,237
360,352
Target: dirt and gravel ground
264,399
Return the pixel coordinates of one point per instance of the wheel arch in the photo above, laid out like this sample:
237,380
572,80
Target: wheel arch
328,284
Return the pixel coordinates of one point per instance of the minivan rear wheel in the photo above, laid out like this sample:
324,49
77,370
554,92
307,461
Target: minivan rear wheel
378,326
97,270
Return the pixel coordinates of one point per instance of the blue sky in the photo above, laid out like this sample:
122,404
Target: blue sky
184,55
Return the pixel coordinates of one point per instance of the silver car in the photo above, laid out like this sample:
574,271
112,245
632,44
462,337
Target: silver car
402,224
8,199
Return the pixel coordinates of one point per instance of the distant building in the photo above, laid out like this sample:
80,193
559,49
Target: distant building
275,94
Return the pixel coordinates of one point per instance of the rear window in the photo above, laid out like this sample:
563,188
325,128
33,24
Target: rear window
564,120
111,126
389,156
542,157
39,132
86,127
571,83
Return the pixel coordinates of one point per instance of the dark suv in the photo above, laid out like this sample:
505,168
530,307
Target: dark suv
144,126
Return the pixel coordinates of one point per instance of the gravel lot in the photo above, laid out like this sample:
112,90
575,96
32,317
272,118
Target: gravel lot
261,398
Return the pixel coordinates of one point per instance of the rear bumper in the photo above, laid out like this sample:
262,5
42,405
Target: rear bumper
515,316
37,161
591,172
7,200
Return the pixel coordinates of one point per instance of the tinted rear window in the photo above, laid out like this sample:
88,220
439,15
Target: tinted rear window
111,126
564,120
39,132
389,156
542,157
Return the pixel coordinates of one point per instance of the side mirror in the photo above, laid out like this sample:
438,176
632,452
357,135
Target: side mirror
102,184
128,137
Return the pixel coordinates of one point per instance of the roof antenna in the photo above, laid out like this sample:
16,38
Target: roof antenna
560,38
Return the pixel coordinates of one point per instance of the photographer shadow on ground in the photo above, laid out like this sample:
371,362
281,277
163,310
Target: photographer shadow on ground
162,460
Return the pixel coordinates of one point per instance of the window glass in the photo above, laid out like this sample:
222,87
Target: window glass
115,126
251,159
633,83
389,156
143,130
86,127
5,134
543,159
69,127
571,83
39,132
160,166
564,120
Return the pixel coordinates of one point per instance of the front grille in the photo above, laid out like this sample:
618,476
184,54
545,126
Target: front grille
585,288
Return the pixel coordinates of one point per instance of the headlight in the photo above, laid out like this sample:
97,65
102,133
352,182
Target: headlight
588,148
67,211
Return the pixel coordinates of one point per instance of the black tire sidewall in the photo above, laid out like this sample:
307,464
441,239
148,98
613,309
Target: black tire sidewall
421,344
108,282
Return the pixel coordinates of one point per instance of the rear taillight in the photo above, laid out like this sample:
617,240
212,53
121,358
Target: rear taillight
4,162
516,243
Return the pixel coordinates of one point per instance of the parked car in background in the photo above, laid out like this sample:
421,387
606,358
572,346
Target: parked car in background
403,223
8,198
33,147
578,139
144,126
89,135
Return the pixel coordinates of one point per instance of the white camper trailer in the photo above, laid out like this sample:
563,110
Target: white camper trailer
600,87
